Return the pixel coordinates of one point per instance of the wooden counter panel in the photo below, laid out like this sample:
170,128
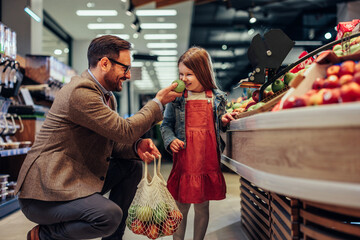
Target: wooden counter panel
331,154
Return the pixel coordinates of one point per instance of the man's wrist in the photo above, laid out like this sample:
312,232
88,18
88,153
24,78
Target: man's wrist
136,145
159,104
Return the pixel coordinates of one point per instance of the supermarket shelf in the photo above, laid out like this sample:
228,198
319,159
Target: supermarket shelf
8,206
14,152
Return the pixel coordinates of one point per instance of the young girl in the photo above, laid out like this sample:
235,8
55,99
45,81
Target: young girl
190,129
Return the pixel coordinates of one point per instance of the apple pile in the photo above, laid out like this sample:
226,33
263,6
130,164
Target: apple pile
153,222
341,84
352,46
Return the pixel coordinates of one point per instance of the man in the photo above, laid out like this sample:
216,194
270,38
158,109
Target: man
85,149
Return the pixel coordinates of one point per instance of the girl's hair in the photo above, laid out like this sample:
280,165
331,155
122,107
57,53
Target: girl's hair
198,60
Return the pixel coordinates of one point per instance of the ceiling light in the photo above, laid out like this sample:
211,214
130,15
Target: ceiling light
224,47
152,12
162,45
123,36
164,52
135,35
66,50
31,13
251,31
159,25
90,4
57,51
135,23
105,26
96,13
160,36
168,59
130,10
252,20
327,35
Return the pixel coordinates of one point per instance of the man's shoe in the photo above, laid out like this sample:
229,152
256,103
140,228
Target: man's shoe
33,234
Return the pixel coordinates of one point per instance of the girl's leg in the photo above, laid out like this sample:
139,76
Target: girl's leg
180,232
201,220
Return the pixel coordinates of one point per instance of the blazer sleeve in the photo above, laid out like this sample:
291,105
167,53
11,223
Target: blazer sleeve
86,108
124,151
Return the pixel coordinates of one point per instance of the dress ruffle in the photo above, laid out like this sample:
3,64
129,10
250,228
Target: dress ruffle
197,188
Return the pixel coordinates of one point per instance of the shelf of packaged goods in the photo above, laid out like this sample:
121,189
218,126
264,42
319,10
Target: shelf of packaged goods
8,206
14,152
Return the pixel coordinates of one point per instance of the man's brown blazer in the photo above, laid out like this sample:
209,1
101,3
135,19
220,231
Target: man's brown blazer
70,156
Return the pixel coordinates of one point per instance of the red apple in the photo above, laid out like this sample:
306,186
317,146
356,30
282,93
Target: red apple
300,102
344,79
357,67
331,81
176,215
289,102
137,227
318,83
152,231
333,70
252,102
331,96
347,67
350,92
169,227
356,78
255,95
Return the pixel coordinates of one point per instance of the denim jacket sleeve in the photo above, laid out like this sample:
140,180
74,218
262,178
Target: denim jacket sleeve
167,127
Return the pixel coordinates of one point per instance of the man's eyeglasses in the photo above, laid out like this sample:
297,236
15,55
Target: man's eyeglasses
127,67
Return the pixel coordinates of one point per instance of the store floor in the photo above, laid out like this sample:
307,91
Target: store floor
224,217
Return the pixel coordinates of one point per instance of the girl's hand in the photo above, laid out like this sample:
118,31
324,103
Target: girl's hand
176,145
226,118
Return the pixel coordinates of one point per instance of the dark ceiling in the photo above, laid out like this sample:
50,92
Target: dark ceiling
226,22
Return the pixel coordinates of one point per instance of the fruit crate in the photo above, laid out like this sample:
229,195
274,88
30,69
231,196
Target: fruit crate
284,217
270,102
267,215
255,210
322,221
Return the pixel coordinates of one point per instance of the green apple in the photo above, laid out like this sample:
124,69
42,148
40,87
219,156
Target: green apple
354,48
278,85
180,87
337,47
236,105
268,88
144,213
289,76
160,212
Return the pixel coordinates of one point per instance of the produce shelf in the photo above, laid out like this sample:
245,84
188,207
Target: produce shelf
14,152
8,206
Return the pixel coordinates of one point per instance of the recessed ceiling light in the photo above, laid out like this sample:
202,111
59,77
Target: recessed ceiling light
105,26
161,45
158,25
152,12
164,52
90,4
160,36
96,13
57,51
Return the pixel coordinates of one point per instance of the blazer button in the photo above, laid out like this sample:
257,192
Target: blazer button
102,178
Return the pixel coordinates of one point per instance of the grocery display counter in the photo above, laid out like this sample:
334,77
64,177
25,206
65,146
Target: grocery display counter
299,172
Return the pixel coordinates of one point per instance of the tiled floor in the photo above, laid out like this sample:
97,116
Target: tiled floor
224,217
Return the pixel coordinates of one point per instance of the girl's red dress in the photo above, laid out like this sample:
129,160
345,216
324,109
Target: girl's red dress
196,174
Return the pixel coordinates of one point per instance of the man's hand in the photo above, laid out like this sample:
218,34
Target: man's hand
176,145
147,150
166,95
226,118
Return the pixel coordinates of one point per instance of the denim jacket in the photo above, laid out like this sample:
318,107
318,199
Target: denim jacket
173,125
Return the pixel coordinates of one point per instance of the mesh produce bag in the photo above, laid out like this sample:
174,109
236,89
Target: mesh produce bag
153,212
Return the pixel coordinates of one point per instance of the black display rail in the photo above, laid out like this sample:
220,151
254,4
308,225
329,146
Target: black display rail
14,152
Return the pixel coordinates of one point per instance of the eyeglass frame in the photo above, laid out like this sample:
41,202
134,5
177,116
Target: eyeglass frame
127,67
